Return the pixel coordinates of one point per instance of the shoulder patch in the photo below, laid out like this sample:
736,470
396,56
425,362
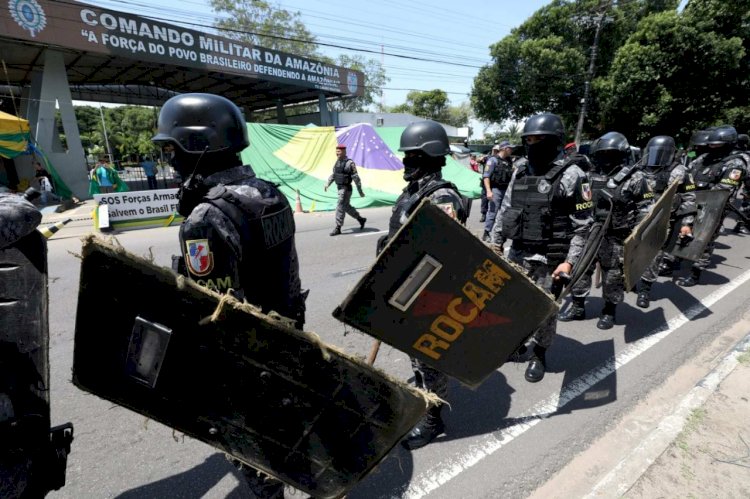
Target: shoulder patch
200,258
449,209
586,191
735,174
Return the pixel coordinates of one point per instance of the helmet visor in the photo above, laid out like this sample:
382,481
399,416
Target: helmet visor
659,156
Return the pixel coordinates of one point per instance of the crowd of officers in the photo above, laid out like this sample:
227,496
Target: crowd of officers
543,205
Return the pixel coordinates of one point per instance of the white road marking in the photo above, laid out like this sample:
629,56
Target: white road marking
432,479
365,234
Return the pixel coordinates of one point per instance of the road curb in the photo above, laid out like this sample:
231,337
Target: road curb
630,469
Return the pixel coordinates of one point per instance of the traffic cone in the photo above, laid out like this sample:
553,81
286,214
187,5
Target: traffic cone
50,230
298,208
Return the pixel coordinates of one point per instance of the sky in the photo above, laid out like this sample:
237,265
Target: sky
456,42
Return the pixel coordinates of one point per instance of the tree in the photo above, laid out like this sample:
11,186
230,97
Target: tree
434,105
260,23
375,79
678,73
541,66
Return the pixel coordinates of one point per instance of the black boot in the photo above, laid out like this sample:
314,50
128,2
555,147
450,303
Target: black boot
692,280
576,311
537,365
362,221
486,237
667,268
644,295
741,228
430,426
607,320
483,217
336,231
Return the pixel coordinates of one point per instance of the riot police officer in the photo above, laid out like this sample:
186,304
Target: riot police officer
547,213
344,173
723,167
239,229
622,194
496,179
661,170
425,145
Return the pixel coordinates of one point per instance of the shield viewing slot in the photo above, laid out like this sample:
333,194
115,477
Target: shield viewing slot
420,277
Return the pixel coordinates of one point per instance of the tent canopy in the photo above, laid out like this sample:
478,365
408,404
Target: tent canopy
14,135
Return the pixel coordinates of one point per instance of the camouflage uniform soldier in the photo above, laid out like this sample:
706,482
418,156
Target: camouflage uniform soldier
239,230
344,172
628,190
723,167
547,213
425,145
661,169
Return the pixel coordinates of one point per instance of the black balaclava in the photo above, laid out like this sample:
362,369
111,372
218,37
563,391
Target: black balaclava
542,153
417,166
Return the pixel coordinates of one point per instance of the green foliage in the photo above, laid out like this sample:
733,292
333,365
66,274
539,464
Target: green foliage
129,130
260,23
375,79
679,73
270,26
434,105
542,65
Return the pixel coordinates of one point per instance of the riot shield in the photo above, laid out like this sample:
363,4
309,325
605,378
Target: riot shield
710,214
648,238
439,294
33,456
250,385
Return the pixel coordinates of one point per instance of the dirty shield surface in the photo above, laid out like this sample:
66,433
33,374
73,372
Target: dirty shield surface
648,238
711,206
274,397
437,293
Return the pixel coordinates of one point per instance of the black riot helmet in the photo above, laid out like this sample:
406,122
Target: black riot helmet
426,145
699,142
541,153
426,136
722,136
743,141
610,151
202,123
659,152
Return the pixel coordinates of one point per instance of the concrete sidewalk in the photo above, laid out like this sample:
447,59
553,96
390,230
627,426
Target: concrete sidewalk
684,440
81,211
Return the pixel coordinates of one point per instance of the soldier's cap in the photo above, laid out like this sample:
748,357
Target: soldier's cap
341,146
502,145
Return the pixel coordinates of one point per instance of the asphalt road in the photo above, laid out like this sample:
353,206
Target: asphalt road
504,439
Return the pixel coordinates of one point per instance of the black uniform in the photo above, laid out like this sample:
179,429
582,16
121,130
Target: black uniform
241,237
238,233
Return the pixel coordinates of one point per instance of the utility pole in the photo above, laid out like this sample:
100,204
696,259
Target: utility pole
599,19
106,139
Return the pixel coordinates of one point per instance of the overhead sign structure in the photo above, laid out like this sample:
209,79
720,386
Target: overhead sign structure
88,28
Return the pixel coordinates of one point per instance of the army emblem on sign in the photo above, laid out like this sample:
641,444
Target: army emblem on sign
28,14
200,259
351,82
586,191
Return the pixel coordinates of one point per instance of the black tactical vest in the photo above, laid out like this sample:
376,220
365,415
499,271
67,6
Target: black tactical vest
708,176
414,193
624,207
342,173
501,174
538,220
266,227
